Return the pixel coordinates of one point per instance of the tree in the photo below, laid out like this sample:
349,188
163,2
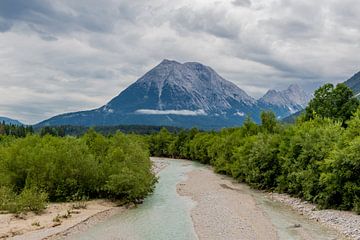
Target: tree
2,129
268,121
337,103
249,127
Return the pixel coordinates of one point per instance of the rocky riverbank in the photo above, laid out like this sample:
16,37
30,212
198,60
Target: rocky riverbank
223,210
228,210
347,223
158,164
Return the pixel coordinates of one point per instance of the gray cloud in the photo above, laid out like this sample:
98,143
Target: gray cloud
242,3
59,56
212,21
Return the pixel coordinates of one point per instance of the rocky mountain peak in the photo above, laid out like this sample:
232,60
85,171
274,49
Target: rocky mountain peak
186,95
293,95
175,86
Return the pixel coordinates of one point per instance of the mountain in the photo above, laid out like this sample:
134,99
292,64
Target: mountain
183,95
9,121
174,94
286,102
354,84
172,86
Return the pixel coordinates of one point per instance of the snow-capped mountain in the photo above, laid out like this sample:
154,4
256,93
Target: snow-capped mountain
285,102
183,95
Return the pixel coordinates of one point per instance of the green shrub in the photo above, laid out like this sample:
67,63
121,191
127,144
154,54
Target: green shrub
69,168
303,149
31,200
317,159
7,198
256,161
340,177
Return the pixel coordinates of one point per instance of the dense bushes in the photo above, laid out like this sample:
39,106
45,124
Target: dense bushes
28,200
317,160
68,168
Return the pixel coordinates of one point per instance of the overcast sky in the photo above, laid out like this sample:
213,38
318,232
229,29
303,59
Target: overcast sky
67,55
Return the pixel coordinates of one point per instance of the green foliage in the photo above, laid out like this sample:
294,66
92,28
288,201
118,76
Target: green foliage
31,200
256,161
268,122
7,198
302,151
68,168
53,131
69,130
337,103
317,158
28,200
340,172
159,143
15,130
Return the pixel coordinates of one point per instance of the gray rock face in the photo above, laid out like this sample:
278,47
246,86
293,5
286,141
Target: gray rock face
175,86
354,84
287,102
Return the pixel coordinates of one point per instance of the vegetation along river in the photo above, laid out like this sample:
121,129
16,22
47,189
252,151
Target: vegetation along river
166,214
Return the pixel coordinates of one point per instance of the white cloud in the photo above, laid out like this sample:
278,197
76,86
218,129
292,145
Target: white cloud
240,114
199,112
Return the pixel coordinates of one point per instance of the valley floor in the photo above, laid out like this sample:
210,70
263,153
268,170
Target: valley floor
223,209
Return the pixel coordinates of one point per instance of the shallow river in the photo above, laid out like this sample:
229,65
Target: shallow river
166,216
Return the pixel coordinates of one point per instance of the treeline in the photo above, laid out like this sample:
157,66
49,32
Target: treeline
69,130
35,169
317,158
15,130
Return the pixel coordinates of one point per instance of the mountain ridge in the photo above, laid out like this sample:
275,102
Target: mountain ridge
10,121
290,100
354,84
175,94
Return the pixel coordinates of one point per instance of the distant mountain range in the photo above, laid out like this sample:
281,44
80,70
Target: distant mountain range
9,121
285,103
185,95
354,84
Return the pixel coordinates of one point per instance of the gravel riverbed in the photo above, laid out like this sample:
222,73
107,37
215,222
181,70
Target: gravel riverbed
346,222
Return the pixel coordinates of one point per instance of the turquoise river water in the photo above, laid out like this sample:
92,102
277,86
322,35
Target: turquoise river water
165,215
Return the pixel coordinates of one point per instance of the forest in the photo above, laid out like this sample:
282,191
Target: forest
317,158
68,130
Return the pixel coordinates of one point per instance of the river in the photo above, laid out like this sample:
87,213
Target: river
165,215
